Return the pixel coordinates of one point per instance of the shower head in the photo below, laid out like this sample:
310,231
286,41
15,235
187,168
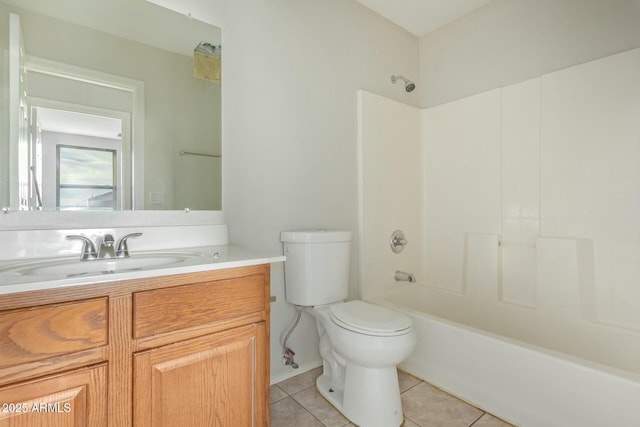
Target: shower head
409,86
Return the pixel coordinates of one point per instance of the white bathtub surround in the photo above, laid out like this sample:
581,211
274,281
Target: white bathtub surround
520,191
525,223
389,183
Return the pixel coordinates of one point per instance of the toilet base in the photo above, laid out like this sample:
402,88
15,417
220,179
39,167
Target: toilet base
371,397
333,396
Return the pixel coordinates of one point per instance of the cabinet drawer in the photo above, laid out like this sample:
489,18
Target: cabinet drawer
171,309
36,333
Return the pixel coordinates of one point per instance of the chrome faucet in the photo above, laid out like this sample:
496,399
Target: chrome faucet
106,245
401,276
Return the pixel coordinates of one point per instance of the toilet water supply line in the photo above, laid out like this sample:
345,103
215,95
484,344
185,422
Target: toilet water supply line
287,353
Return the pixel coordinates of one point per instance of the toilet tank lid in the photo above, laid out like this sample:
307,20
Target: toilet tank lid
315,236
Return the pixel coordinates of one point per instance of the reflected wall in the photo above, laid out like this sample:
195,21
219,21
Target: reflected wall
181,113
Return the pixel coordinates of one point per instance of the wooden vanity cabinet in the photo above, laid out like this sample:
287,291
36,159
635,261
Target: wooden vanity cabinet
75,399
208,381
180,350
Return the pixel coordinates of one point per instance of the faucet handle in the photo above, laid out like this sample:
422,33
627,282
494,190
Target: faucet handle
123,249
398,241
88,248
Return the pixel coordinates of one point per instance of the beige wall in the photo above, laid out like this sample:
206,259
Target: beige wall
174,101
291,70
509,41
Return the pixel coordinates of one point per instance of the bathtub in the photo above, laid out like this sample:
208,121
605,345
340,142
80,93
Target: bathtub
530,370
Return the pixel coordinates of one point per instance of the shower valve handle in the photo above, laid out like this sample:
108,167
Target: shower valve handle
398,241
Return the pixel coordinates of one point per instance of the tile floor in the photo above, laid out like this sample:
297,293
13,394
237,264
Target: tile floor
296,403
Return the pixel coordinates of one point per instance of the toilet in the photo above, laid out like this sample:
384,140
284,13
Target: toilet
360,343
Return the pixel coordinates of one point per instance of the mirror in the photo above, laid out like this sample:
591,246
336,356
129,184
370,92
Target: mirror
108,105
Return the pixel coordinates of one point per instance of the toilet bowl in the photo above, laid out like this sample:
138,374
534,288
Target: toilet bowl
368,342
360,354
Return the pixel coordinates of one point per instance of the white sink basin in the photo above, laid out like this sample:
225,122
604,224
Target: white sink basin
72,267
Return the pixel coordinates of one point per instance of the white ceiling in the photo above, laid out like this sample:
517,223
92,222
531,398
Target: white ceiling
137,20
423,16
61,121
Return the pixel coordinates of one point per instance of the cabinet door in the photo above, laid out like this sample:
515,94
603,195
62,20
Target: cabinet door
72,399
217,380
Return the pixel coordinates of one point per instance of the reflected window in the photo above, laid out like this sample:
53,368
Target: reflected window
86,178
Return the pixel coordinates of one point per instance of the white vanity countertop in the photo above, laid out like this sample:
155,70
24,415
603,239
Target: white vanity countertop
227,257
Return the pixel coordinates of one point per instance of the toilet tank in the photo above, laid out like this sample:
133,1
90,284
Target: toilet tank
316,270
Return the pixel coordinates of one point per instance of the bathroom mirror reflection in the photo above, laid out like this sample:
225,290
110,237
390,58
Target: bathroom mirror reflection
108,105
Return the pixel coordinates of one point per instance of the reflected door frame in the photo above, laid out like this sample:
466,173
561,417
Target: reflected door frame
133,125
124,165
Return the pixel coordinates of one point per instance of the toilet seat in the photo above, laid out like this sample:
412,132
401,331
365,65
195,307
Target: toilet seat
369,319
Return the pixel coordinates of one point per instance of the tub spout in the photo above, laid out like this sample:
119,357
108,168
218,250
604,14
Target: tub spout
401,276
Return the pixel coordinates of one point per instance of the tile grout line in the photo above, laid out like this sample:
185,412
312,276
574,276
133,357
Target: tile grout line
483,414
309,412
414,422
301,404
282,398
412,387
